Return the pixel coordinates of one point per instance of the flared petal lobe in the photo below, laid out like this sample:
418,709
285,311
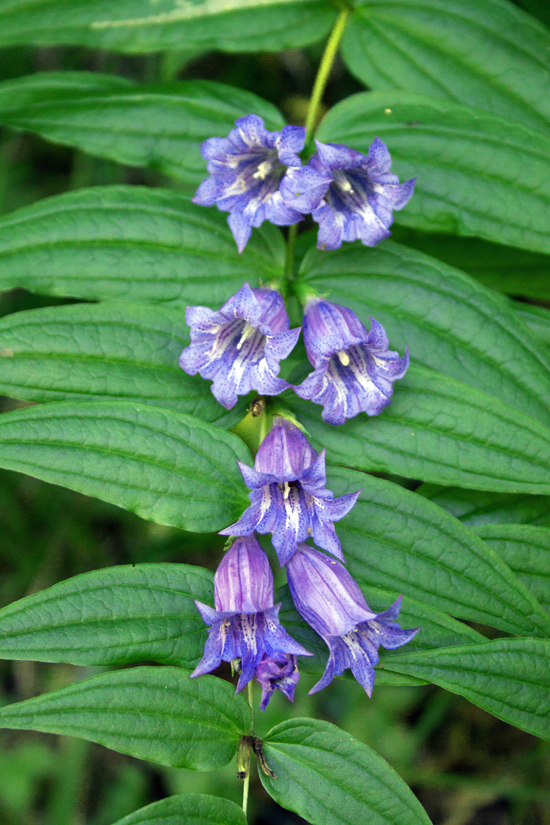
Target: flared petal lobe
277,673
354,369
239,347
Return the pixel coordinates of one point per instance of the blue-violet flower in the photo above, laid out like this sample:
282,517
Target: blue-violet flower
289,498
245,171
331,601
354,369
244,623
239,347
350,195
278,672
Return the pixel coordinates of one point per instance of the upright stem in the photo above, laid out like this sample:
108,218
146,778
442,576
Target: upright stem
324,71
246,784
289,262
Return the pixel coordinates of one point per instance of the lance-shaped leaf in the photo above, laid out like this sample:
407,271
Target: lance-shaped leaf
139,26
526,551
105,351
400,541
331,778
477,174
440,430
135,244
509,678
537,318
123,614
161,464
187,809
474,507
157,126
449,321
154,713
488,54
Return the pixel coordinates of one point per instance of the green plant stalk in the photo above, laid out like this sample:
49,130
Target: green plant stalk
246,786
324,71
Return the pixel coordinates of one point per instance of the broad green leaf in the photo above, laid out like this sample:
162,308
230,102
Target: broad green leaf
138,26
449,321
119,615
488,54
537,319
526,551
154,713
188,809
158,126
481,507
509,678
135,244
161,464
330,778
477,174
440,430
509,270
105,351
402,542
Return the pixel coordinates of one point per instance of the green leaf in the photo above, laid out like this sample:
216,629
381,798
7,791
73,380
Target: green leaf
159,126
137,26
509,678
105,351
480,507
135,244
477,174
187,809
402,542
536,318
526,551
161,464
331,778
154,713
487,54
449,321
440,430
119,615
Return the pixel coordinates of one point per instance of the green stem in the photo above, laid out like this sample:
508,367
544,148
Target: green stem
246,785
324,71
289,262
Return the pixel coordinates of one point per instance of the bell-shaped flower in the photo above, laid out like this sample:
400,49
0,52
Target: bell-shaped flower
245,171
354,369
279,672
350,195
244,624
331,601
289,498
239,347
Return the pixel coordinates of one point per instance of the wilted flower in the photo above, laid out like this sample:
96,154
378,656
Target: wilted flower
245,171
244,623
279,672
354,369
350,195
239,347
289,498
331,601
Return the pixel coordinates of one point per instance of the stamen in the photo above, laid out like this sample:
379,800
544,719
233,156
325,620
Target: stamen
246,333
286,490
263,170
343,357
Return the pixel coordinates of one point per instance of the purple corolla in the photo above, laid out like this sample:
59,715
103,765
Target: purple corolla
289,498
245,171
330,600
350,195
244,623
354,369
239,347
278,672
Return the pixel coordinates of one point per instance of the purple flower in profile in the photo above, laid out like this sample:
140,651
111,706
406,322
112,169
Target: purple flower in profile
245,171
279,672
244,623
289,498
239,347
354,369
350,195
331,601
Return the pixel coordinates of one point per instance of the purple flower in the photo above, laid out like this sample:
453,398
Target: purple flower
279,672
354,369
330,600
289,498
245,171
244,624
350,195
240,346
